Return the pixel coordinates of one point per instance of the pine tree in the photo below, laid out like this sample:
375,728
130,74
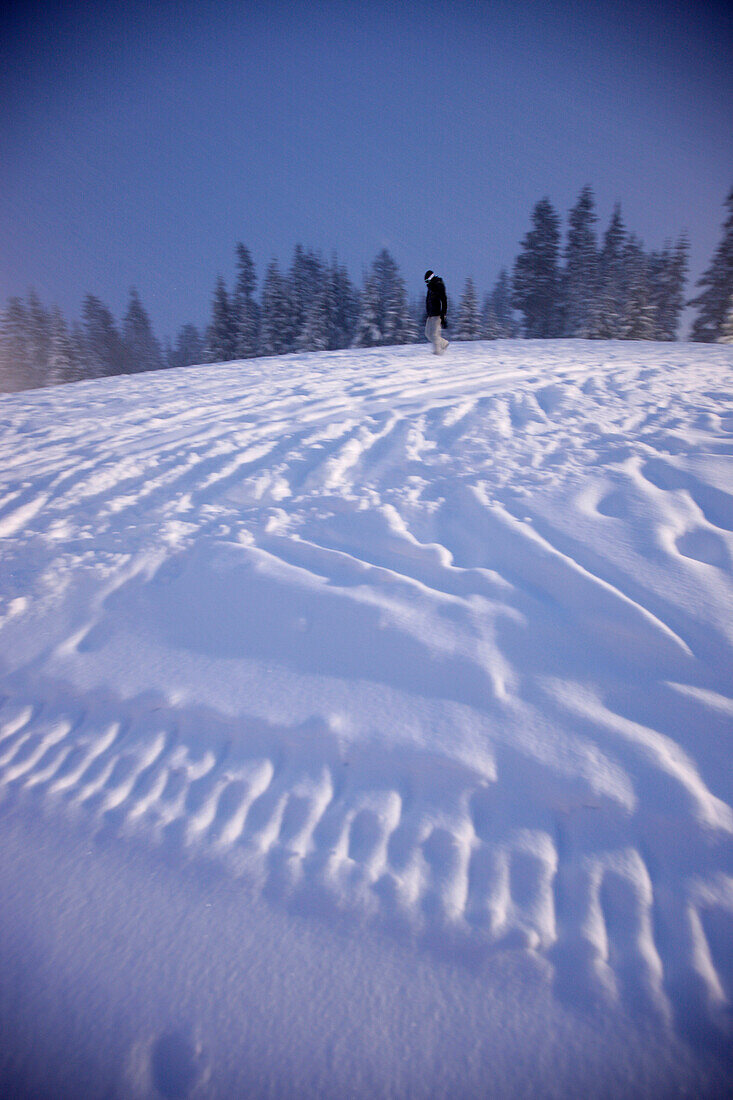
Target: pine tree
536,280
384,317
726,332
609,311
17,373
368,333
275,320
39,339
346,307
638,311
469,321
80,353
221,340
141,348
244,306
580,275
497,315
61,365
717,283
189,348
303,289
105,353
667,271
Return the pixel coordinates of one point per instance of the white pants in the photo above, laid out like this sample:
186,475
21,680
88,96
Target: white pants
434,335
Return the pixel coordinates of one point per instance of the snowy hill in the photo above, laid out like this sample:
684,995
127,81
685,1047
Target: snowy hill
366,726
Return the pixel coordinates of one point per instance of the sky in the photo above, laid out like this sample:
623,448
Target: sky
139,143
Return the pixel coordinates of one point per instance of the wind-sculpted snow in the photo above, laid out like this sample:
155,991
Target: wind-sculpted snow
441,644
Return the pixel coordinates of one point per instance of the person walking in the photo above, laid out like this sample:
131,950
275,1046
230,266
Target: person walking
436,307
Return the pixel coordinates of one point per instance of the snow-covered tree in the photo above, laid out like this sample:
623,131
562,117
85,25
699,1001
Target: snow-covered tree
717,283
105,353
221,336
61,362
638,311
469,320
580,274
39,338
275,317
609,307
726,333
384,317
345,305
188,349
17,372
141,348
667,272
536,279
497,315
246,313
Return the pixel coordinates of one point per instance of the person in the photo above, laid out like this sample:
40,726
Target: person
436,306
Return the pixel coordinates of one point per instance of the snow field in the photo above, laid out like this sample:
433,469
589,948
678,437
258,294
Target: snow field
439,646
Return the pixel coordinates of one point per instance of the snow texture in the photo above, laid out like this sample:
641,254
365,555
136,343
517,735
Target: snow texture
366,726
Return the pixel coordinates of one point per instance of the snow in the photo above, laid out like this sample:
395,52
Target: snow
366,726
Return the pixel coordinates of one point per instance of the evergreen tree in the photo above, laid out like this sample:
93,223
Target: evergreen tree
536,280
368,333
638,310
221,338
275,321
469,321
304,288
717,284
726,332
384,317
245,308
345,307
80,353
667,273
61,364
497,315
17,373
609,311
141,348
580,276
189,348
39,339
105,353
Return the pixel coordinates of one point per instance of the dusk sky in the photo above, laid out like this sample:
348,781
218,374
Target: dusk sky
139,143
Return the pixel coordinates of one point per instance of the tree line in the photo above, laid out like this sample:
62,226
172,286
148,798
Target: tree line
588,288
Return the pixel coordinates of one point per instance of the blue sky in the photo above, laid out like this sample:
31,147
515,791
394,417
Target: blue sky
139,143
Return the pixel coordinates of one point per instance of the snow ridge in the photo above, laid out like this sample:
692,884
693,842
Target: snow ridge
446,648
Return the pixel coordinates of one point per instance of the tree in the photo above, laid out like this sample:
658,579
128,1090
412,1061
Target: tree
141,349
384,317
221,340
609,309
497,315
275,323
345,305
469,321
105,353
17,373
246,314
38,338
61,362
580,275
189,348
638,312
717,283
726,332
536,280
667,273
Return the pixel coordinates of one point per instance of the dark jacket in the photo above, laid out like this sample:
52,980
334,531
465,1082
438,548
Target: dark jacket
436,302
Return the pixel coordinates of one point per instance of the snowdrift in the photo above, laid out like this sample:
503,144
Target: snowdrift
424,664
